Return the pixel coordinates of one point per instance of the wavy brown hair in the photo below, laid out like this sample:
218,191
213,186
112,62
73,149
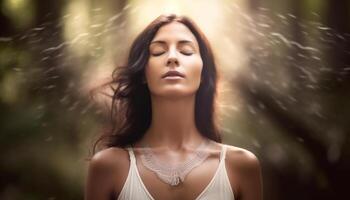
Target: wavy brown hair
130,114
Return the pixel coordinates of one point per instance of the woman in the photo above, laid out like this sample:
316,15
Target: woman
165,144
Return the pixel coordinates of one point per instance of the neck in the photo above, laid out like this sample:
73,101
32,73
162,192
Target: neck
173,123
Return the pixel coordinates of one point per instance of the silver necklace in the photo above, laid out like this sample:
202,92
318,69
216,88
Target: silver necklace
173,175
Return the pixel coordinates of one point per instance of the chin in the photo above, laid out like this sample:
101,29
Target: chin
175,93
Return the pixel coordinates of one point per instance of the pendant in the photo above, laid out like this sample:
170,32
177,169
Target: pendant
175,181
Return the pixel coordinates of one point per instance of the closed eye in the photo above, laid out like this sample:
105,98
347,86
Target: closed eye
187,53
157,54
184,53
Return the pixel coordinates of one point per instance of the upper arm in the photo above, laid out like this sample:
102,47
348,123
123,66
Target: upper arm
100,182
251,181
247,167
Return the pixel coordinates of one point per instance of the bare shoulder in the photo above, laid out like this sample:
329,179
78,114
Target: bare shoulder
110,163
242,159
109,158
109,168
106,173
244,173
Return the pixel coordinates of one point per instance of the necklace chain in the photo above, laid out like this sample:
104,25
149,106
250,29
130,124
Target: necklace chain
173,175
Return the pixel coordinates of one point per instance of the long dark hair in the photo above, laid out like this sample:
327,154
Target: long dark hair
131,112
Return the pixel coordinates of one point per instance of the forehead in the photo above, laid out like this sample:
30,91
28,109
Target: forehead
174,31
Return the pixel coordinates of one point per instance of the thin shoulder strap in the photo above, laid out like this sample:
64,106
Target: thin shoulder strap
223,152
131,154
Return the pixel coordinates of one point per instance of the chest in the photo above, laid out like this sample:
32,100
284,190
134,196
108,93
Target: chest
209,180
195,183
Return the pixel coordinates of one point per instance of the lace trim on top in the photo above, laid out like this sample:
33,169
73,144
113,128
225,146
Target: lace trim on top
173,175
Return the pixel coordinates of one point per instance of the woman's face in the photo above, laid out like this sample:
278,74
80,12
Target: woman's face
174,49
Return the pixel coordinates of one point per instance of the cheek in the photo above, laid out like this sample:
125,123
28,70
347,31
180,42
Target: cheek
151,71
195,71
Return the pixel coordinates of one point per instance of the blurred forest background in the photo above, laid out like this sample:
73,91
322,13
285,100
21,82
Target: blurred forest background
285,92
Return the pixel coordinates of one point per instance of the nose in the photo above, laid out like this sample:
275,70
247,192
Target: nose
172,58
172,62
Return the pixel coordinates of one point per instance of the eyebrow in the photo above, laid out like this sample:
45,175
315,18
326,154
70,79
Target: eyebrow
181,42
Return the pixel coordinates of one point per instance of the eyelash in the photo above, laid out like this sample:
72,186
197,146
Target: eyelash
158,54
187,54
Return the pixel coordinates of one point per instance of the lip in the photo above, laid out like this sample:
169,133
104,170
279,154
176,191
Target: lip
173,74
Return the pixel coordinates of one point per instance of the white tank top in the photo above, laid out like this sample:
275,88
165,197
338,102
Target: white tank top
219,187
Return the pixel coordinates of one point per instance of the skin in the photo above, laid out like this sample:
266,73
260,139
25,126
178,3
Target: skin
173,135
